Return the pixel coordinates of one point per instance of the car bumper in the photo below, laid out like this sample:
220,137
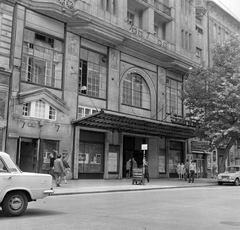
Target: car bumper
49,192
226,180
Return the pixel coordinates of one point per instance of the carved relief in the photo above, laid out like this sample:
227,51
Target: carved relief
114,60
72,45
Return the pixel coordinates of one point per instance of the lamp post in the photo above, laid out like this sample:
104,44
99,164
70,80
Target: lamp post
144,148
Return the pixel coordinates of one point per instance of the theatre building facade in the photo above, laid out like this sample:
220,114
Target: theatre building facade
98,81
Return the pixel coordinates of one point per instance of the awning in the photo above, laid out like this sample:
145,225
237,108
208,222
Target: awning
114,121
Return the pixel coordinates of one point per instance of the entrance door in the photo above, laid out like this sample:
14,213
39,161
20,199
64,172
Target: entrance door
199,168
132,149
29,152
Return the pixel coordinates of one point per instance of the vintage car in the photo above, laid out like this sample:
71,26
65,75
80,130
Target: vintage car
231,175
17,188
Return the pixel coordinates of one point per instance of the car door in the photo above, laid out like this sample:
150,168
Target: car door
5,176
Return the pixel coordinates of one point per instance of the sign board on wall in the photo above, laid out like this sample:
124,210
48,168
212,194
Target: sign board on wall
112,161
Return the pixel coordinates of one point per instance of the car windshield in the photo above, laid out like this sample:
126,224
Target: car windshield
232,169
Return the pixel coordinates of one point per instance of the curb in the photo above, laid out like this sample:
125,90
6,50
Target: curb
129,190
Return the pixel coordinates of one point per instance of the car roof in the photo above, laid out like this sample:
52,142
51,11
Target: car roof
4,154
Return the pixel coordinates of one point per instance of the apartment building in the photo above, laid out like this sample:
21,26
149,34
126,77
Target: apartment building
100,82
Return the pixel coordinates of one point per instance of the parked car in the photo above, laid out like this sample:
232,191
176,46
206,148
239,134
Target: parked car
231,175
17,188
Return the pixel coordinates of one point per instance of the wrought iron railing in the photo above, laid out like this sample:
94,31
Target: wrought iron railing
66,3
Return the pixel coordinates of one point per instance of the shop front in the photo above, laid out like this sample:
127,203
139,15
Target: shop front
34,154
198,152
91,155
106,140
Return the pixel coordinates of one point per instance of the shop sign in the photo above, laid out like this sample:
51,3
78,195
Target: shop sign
199,146
112,161
144,146
13,135
183,121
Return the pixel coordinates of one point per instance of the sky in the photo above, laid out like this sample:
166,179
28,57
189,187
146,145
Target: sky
230,5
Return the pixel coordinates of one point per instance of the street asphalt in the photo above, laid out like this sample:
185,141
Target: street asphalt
113,185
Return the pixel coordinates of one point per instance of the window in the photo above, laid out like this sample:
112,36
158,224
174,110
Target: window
135,91
160,29
92,74
109,6
182,38
199,30
198,52
39,109
84,111
214,32
130,18
42,60
174,103
186,40
219,35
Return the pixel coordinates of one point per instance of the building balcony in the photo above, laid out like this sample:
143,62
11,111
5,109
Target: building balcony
201,8
163,9
94,23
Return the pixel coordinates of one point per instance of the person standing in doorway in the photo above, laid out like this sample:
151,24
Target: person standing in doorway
134,164
192,171
128,168
145,166
58,170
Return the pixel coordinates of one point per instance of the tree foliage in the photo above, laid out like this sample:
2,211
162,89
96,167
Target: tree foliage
212,94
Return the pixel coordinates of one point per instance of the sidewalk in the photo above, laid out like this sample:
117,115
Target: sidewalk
102,186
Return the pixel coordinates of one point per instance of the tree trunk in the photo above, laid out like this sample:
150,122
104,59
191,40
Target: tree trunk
226,154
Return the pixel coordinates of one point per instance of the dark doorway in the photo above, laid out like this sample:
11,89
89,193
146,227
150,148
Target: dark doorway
28,155
34,155
132,149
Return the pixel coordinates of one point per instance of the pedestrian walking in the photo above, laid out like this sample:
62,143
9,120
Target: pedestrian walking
192,171
214,171
145,167
58,170
51,166
186,168
128,168
67,169
182,171
179,170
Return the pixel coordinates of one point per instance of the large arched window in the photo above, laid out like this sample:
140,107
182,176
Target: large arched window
135,91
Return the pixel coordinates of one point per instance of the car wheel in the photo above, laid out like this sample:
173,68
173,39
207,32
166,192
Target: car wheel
219,183
14,204
237,182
